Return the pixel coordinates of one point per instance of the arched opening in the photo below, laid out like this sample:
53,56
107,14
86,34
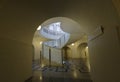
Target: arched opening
77,54
54,33
67,52
56,48
19,19
84,57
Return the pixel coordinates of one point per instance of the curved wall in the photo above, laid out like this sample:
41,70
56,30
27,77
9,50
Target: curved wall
19,20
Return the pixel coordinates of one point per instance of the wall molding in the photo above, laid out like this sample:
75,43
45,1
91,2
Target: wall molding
96,33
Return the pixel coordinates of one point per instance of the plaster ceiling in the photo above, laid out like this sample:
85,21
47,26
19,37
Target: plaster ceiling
20,18
74,29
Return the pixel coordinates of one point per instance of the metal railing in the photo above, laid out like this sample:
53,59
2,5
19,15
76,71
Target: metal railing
56,33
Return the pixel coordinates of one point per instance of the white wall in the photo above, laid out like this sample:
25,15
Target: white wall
104,57
56,56
37,48
82,50
69,53
36,52
15,60
16,56
45,55
76,50
88,59
117,5
46,52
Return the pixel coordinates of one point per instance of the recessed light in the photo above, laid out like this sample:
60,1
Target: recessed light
72,44
39,28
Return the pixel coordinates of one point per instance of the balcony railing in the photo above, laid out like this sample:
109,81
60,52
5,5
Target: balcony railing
56,33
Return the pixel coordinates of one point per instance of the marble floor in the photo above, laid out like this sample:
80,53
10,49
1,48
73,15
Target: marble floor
70,73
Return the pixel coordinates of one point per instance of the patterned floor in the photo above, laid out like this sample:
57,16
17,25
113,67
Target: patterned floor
70,72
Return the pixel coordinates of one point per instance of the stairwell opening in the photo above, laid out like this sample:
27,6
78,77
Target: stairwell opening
50,40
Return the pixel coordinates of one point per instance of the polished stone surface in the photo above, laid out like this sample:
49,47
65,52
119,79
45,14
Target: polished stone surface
69,73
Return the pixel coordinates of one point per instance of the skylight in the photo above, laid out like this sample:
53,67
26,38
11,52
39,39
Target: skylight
55,27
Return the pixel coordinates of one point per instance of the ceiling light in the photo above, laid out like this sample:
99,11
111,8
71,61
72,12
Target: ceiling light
39,28
40,42
72,44
40,77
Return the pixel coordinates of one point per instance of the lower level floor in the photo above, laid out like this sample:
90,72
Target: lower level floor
72,71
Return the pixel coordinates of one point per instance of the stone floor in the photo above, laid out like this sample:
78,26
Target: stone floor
71,72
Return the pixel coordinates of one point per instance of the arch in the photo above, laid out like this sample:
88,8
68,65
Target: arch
16,43
67,52
67,25
84,57
82,50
